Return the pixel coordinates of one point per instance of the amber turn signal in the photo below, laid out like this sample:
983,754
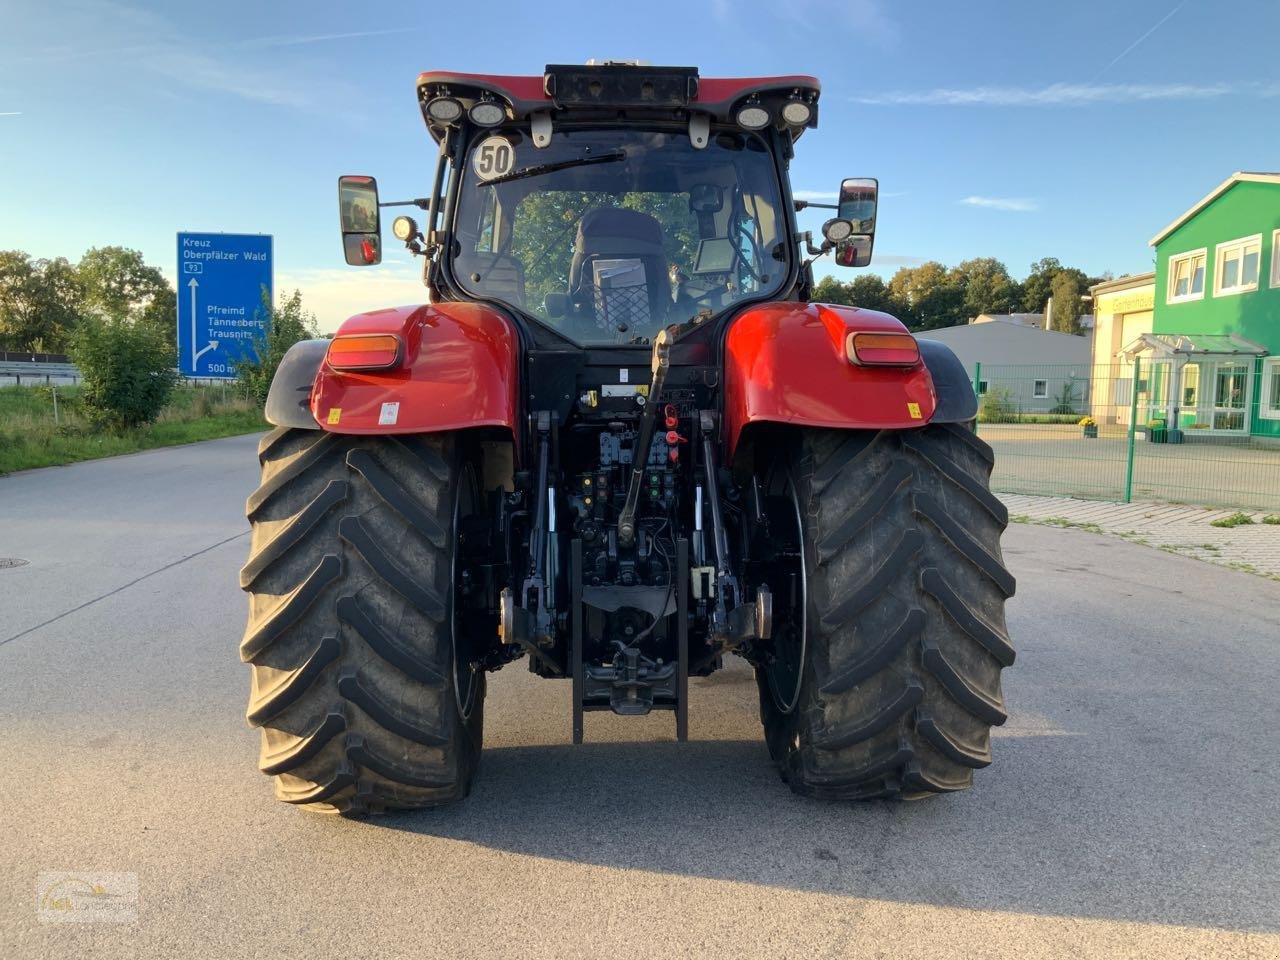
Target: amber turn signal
882,349
380,351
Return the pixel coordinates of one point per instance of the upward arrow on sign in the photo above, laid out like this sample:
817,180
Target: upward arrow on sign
193,284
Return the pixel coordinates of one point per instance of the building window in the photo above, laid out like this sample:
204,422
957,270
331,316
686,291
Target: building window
1186,276
1236,267
1271,388
1040,389
1275,259
982,388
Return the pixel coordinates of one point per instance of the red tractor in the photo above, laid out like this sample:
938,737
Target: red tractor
620,442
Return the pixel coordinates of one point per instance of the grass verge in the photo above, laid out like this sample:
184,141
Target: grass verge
30,437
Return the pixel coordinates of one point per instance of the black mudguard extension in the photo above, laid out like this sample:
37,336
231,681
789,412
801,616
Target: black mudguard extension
956,400
289,399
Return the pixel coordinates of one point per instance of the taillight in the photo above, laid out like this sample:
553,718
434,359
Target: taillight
378,351
882,349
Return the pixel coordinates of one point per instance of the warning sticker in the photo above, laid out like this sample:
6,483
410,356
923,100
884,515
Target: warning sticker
390,414
913,411
335,414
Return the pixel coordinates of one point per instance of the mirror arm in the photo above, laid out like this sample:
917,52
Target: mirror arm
813,251
805,204
422,203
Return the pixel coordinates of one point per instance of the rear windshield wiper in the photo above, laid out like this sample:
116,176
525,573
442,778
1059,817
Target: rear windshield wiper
542,168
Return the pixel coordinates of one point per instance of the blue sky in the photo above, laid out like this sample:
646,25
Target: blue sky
1013,129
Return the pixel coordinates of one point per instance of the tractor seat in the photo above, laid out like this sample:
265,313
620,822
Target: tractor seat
618,274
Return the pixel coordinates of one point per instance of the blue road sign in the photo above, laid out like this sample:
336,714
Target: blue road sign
220,282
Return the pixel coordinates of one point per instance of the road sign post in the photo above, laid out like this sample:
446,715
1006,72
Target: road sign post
221,283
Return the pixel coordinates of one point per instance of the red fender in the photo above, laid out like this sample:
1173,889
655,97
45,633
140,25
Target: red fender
786,363
460,369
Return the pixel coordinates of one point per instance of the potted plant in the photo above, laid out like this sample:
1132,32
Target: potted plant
1090,427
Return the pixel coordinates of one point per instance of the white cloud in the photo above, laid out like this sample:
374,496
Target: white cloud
11,113
1014,204
238,68
860,19
193,69
322,38
1064,94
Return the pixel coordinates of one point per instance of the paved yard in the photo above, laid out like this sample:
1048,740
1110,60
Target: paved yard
1175,528
1058,460
1130,811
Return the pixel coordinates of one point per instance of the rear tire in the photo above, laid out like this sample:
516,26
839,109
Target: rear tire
897,683
363,689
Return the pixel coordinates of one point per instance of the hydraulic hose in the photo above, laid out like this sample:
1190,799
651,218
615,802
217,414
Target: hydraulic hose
640,453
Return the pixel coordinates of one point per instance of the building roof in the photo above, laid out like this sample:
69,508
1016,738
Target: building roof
1022,319
1124,283
1240,176
1007,326
1182,344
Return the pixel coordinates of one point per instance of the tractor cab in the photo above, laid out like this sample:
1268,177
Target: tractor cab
608,202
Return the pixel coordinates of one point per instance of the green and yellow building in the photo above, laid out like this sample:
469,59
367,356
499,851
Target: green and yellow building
1210,362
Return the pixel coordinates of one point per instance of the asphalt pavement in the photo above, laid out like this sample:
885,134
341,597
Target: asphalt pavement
1132,809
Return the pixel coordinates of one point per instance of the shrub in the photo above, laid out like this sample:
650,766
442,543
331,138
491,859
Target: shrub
286,325
1236,519
1066,400
128,372
1273,519
997,406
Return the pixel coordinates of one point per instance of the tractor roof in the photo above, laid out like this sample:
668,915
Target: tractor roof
619,91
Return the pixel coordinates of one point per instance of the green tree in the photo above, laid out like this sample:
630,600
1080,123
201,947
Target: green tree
932,297
128,372
866,290
1038,286
38,302
285,325
988,288
831,290
1065,290
118,283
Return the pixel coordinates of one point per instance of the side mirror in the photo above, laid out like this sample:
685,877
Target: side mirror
854,252
361,223
858,199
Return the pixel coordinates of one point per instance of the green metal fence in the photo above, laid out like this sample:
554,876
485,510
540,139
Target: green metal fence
1201,431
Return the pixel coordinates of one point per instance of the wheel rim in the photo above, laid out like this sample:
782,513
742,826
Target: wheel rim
791,638
464,669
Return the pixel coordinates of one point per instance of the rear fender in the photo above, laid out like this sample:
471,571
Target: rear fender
957,403
786,363
289,399
460,370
